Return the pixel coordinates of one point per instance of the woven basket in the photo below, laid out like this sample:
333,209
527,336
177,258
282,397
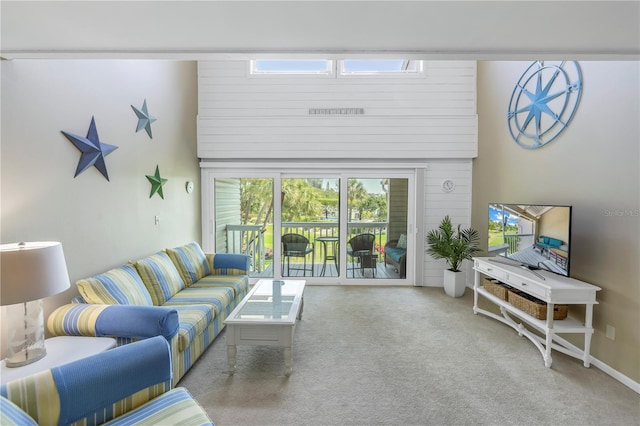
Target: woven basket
536,307
496,288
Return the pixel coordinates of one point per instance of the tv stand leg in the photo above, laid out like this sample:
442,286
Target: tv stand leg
549,336
588,320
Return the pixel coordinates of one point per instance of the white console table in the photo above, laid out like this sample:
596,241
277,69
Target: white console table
546,286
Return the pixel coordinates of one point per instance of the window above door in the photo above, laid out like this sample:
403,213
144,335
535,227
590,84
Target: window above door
338,68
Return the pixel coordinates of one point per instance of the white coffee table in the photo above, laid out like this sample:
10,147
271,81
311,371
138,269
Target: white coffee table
266,317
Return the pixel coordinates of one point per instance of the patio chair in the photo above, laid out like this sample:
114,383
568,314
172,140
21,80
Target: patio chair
360,250
296,246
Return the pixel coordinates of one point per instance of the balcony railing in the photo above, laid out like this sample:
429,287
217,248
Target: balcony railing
518,242
249,239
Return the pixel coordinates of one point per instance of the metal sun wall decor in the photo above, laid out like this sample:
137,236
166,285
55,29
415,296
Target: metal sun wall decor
93,151
144,119
543,102
156,183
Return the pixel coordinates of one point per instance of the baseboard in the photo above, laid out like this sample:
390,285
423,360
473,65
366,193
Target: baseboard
630,383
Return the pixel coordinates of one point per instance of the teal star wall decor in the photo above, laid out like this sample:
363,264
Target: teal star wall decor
93,151
156,183
144,119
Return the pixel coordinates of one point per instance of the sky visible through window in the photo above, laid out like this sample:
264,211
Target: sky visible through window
373,65
324,66
292,65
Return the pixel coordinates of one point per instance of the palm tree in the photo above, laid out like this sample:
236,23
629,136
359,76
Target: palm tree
355,194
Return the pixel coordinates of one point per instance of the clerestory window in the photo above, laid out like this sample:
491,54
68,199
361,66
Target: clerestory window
292,66
379,66
327,67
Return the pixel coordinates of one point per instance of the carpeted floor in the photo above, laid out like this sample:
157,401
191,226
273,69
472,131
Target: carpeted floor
404,356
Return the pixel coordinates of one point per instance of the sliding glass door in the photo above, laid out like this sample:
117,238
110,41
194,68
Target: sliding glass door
310,224
329,228
244,220
377,214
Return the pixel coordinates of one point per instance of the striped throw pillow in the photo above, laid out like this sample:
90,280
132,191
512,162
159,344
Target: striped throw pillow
190,261
119,286
160,276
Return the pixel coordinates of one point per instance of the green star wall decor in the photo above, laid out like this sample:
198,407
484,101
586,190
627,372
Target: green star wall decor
144,119
93,151
156,183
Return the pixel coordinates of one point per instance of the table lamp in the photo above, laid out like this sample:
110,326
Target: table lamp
29,272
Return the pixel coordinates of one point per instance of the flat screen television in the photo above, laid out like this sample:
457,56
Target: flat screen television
535,236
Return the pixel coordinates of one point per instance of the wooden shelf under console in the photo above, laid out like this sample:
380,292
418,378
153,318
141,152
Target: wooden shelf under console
548,287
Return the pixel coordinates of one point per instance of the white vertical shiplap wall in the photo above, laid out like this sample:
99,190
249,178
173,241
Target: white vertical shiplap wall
438,204
430,118
429,115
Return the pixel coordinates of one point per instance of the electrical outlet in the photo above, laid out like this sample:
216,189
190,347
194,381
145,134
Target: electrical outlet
611,332
157,219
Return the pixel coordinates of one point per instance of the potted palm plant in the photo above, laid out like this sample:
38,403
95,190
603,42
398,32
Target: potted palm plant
454,245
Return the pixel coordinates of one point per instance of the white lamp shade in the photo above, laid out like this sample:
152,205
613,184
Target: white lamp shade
31,271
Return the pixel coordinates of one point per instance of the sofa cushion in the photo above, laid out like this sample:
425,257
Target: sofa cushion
160,276
190,261
239,283
395,253
402,241
193,320
554,242
120,285
218,297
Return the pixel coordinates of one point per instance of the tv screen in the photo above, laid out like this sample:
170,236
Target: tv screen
536,236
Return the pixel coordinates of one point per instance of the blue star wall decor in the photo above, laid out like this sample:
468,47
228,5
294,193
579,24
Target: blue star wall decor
93,151
156,183
144,119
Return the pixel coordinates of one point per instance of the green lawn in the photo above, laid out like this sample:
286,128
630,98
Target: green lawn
495,238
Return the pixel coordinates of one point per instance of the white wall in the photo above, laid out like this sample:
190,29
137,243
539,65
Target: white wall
593,166
439,203
101,224
431,114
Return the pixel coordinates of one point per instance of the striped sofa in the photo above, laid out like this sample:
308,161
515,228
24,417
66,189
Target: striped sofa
182,294
123,386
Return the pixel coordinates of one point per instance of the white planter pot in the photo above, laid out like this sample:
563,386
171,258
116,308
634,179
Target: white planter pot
455,283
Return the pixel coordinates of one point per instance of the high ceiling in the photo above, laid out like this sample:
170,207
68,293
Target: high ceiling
496,30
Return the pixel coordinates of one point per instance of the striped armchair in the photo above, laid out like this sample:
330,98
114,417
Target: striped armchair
127,385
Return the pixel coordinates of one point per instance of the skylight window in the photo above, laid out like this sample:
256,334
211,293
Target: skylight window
379,66
291,66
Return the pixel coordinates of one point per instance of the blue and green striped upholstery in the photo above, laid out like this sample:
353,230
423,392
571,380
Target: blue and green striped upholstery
194,320
228,263
239,283
22,393
12,415
122,321
127,385
190,261
176,407
218,297
120,285
160,276
151,297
